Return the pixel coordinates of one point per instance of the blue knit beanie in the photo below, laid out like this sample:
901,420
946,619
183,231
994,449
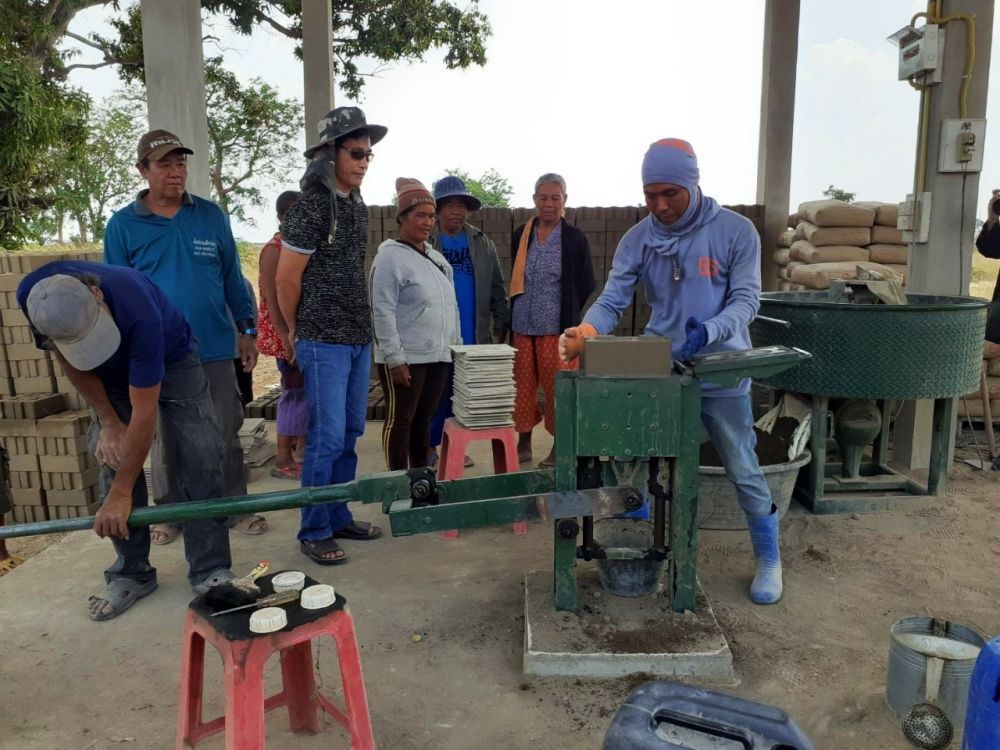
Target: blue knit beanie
671,160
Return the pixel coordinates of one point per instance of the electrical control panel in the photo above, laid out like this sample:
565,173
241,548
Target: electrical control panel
921,53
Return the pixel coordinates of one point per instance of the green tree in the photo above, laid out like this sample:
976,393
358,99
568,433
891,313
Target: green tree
40,115
839,195
493,189
252,134
42,124
98,176
105,177
372,32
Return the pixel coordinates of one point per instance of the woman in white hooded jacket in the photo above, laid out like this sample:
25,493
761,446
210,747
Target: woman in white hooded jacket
415,320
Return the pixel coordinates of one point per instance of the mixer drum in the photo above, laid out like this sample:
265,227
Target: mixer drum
930,348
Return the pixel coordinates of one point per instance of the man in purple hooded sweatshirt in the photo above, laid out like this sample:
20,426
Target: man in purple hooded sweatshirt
700,267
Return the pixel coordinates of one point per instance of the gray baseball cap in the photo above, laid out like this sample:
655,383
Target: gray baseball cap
65,310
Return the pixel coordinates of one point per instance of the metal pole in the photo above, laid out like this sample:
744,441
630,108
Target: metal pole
777,115
214,508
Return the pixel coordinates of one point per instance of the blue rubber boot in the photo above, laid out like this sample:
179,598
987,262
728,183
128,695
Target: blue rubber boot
766,586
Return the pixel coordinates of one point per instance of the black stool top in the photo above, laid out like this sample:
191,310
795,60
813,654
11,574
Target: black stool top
236,625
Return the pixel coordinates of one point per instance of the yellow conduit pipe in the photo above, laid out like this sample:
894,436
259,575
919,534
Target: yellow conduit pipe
934,16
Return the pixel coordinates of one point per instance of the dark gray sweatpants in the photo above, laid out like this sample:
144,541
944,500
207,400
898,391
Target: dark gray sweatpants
228,409
187,419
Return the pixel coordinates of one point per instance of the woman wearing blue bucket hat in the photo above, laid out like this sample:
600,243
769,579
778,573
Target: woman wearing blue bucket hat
483,308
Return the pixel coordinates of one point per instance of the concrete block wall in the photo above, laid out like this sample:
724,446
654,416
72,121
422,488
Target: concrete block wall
603,226
43,425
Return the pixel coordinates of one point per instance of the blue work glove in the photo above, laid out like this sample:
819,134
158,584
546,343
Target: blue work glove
697,337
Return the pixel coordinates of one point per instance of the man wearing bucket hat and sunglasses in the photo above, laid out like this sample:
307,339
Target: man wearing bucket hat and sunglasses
700,267
323,295
131,354
483,307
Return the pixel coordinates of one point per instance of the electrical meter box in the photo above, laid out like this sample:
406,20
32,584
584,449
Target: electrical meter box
921,53
962,143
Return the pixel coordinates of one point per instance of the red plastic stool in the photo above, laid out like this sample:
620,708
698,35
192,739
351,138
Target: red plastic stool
243,661
454,444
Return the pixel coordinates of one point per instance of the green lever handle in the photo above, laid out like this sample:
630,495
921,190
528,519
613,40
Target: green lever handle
376,488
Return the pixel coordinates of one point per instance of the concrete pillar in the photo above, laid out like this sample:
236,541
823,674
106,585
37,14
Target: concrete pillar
943,264
317,63
175,82
777,115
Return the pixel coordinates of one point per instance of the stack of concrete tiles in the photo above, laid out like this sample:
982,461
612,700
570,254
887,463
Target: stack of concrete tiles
483,395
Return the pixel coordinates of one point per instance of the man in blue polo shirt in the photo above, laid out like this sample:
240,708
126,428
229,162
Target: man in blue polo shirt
132,356
185,245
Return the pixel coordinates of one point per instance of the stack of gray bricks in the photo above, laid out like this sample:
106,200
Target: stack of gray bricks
42,425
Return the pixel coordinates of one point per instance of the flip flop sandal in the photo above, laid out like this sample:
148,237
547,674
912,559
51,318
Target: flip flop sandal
9,563
314,550
288,472
168,531
359,531
121,593
215,578
252,525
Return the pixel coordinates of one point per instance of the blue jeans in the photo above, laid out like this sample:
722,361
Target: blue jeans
336,383
729,421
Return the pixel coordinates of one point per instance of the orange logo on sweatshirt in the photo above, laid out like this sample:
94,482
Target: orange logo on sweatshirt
708,266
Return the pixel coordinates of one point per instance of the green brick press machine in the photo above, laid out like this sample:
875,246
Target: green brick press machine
628,428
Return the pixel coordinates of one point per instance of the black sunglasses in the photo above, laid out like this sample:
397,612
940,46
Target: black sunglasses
359,154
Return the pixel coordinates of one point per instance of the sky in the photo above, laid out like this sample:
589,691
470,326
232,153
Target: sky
577,89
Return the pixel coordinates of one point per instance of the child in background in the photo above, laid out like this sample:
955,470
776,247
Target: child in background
272,340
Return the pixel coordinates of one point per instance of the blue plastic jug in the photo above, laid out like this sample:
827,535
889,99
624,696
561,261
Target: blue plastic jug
982,717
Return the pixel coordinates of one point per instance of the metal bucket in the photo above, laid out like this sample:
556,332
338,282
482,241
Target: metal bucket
906,682
718,507
630,578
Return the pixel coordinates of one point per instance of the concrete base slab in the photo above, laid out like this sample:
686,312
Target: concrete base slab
612,636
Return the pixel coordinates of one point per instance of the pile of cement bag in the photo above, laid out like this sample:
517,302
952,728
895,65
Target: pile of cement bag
831,239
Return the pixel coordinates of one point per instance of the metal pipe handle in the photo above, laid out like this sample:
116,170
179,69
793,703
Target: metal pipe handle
187,511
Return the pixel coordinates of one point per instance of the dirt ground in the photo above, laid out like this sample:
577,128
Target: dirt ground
820,653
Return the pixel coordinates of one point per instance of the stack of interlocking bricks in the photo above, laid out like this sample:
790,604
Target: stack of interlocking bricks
42,426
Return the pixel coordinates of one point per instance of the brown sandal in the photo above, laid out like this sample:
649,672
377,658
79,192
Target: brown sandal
315,550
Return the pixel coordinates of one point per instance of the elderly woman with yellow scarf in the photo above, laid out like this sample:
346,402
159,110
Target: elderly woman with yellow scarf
552,278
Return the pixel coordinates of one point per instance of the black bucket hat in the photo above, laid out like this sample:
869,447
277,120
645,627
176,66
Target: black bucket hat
344,121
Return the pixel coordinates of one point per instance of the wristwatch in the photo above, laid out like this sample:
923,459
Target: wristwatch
247,327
